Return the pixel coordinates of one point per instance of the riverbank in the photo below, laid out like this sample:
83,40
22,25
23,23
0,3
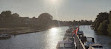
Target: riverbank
19,30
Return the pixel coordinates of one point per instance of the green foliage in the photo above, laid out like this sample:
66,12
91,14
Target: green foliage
45,16
102,29
109,29
109,25
97,25
44,20
101,23
7,19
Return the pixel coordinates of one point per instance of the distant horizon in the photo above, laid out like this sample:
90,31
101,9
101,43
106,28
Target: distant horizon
63,10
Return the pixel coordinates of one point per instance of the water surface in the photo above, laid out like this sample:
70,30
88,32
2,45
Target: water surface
99,39
48,39
39,40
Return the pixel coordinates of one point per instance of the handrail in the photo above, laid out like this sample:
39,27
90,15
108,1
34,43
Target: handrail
81,43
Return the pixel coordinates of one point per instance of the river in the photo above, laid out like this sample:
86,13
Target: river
99,39
48,39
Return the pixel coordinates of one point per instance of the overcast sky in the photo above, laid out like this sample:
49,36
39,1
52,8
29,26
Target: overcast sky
59,9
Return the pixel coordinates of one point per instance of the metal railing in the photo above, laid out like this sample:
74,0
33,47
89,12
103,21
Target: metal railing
79,43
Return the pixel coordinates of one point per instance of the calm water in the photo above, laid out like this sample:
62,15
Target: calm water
48,39
40,40
101,39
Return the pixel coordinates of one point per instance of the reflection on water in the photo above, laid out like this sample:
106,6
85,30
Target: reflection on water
52,39
48,39
40,40
53,31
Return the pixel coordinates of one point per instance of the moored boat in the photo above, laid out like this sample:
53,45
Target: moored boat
4,36
96,46
90,40
65,44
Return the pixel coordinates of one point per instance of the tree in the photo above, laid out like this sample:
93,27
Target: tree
7,19
98,23
109,25
6,13
45,20
103,27
15,15
45,16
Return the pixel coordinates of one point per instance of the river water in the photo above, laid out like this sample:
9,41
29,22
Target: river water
48,39
99,39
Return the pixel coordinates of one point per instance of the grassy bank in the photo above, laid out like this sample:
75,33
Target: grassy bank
19,30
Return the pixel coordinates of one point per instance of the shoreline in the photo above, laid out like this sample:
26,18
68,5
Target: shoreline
19,31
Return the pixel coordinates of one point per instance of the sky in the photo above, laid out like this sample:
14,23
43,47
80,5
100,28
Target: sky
65,10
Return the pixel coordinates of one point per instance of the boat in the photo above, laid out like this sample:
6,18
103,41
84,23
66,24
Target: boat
4,36
96,46
65,44
69,30
80,33
90,40
81,36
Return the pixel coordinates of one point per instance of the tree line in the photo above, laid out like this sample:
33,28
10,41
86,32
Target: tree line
44,20
102,24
